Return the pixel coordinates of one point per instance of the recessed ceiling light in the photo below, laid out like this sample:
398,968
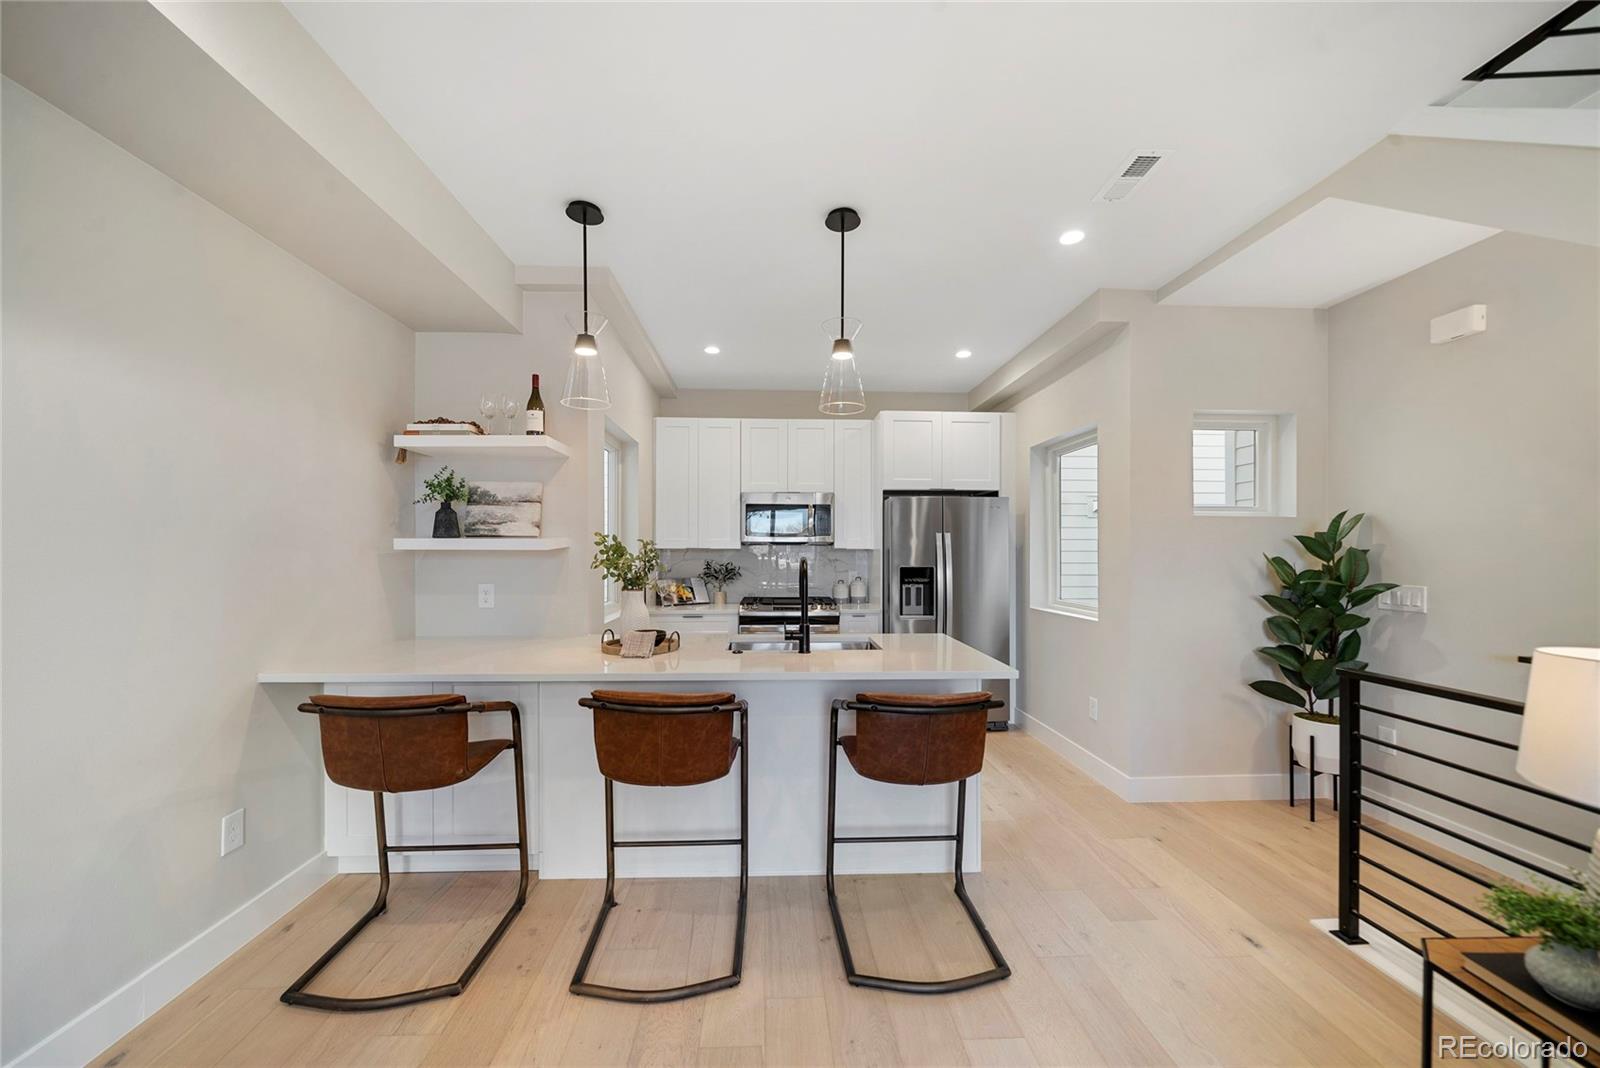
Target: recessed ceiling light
1071,237
963,354
712,350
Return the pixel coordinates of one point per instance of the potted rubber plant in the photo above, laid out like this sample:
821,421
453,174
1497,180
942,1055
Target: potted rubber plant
1317,631
717,575
631,571
1566,962
444,486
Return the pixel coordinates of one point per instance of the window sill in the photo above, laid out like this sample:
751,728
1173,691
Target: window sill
612,615
1070,613
1237,513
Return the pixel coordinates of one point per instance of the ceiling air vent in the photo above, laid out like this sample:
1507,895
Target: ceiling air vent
1134,171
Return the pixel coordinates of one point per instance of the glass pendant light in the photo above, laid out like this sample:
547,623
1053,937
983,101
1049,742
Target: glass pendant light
841,384
586,375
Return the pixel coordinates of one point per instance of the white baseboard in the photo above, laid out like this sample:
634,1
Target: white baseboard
1402,964
96,1028
1271,786
400,863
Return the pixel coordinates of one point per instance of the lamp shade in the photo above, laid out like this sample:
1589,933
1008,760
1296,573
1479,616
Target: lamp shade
1560,745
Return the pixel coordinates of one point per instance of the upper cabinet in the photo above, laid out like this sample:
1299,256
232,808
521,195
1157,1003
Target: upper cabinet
855,505
932,451
811,450
970,451
697,483
764,455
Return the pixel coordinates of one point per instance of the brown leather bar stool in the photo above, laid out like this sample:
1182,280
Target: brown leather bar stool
914,740
394,745
667,739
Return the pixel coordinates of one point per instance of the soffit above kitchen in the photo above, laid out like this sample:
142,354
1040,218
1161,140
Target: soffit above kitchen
968,136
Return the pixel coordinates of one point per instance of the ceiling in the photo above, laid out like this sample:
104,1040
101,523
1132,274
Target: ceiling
1328,253
716,137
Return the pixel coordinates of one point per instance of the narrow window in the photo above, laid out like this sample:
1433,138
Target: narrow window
1074,477
611,521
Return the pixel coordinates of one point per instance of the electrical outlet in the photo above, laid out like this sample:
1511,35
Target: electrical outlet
232,831
485,595
1387,734
1094,708
1404,599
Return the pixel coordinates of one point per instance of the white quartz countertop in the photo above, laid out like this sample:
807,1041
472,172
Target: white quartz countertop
702,658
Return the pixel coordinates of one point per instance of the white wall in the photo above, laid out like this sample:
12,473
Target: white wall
1479,461
197,479
1170,656
535,593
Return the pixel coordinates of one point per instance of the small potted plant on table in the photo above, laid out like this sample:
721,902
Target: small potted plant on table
631,571
444,486
717,575
1566,962
1317,632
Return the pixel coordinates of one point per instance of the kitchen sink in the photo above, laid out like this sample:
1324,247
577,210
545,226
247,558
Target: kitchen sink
830,644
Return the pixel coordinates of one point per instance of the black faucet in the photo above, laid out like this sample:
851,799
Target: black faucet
805,608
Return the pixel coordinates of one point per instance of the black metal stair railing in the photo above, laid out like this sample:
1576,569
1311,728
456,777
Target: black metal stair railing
1353,797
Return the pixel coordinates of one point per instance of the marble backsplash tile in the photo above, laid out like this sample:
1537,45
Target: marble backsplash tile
774,570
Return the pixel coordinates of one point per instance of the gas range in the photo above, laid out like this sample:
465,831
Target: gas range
773,615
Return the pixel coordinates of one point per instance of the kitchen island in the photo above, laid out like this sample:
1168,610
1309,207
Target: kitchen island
789,696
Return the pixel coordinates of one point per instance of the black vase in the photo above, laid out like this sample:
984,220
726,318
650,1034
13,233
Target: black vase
446,524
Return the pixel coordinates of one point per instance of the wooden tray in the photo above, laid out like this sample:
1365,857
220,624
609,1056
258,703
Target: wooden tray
612,646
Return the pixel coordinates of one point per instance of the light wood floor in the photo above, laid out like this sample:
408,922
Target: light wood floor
1149,934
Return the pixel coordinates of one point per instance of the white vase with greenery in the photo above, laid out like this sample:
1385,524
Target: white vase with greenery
632,572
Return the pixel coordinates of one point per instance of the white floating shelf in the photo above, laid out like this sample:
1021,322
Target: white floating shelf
482,545
496,446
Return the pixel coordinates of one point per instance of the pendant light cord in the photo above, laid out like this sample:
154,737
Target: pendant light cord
841,281
586,273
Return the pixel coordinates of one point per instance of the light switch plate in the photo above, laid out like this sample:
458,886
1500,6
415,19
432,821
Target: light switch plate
485,595
1404,599
1387,734
1094,708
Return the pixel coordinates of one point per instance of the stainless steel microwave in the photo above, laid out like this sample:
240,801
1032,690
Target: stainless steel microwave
786,518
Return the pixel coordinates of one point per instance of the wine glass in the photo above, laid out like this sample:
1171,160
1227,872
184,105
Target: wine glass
510,407
486,409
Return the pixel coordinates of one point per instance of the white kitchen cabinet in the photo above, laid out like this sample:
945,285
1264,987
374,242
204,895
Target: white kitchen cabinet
970,451
811,456
723,622
697,483
853,621
910,447
677,478
716,495
932,451
854,507
764,455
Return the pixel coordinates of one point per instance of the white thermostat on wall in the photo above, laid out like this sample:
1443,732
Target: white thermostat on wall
1473,319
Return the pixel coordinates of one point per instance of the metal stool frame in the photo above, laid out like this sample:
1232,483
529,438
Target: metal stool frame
580,985
1001,969
296,994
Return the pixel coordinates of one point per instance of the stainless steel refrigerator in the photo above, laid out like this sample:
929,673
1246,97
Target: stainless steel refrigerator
947,563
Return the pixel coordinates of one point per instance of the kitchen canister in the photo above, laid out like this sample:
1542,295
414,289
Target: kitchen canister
841,590
858,590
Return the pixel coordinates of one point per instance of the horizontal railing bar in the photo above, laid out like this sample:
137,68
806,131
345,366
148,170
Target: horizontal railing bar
1440,727
677,842
1577,73
1502,854
900,838
1466,697
1574,31
1429,924
1408,880
1491,813
1471,876
448,848
1501,779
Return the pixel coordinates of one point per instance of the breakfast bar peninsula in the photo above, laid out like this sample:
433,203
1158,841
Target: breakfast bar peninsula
789,693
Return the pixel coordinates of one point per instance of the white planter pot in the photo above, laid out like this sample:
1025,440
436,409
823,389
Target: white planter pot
635,616
1301,731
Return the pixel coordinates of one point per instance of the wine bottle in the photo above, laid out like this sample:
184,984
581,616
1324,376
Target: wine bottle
535,412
